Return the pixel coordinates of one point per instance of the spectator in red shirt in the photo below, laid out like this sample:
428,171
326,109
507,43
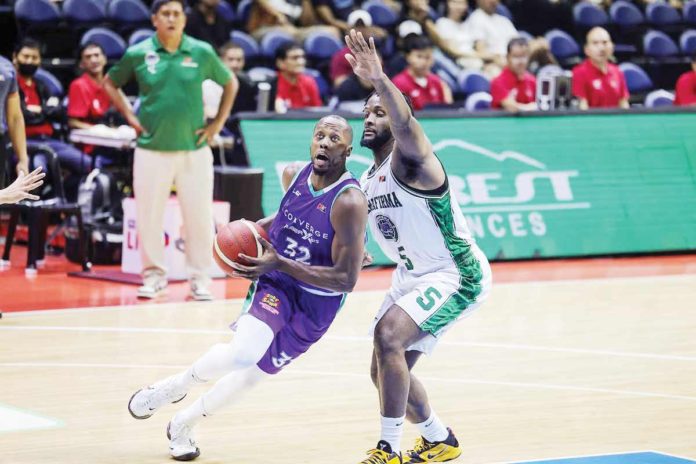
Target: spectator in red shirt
597,83
340,69
417,81
295,89
39,108
686,86
515,88
88,102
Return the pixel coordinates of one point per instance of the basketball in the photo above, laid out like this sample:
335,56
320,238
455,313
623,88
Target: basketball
234,238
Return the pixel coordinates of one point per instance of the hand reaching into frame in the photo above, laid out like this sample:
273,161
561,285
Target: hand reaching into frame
20,188
363,56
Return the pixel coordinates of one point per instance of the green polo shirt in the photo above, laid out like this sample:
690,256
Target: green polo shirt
170,87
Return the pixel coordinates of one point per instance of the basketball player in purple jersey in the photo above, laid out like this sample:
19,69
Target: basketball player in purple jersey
298,285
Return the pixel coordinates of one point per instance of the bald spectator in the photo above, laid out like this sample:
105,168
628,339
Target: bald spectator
204,23
295,89
515,88
686,86
417,80
598,83
491,32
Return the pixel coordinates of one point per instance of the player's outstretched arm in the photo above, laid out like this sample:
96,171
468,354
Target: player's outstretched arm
349,219
411,141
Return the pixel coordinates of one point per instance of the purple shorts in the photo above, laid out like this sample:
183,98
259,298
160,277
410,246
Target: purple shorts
297,317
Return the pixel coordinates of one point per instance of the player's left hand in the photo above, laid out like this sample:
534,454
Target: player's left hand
208,133
267,262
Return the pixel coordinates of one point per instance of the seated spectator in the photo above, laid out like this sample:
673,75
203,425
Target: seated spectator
203,22
491,32
232,55
295,17
294,89
405,31
39,109
354,88
417,81
337,13
597,83
460,42
340,69
88,102
685,90
515,88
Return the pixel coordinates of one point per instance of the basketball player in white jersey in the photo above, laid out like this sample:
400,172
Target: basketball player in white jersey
441,274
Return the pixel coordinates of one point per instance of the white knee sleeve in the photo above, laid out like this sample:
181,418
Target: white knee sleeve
251,340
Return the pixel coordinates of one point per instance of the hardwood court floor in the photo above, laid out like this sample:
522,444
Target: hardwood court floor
544,369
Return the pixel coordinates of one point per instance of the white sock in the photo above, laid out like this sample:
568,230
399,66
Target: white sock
226,391
392,429
433,429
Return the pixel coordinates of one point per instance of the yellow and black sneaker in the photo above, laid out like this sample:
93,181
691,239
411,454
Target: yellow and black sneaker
439,451
382,454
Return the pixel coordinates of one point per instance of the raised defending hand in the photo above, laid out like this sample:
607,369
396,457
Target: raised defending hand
267,262
363,56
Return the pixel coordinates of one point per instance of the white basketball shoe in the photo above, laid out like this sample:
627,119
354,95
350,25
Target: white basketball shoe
182,445
146,401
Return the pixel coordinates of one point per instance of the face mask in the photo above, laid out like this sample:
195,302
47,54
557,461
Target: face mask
28,69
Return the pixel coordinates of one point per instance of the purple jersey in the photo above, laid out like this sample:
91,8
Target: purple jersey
302,230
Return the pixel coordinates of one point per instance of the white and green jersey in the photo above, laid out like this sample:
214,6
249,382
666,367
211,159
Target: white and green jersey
421,231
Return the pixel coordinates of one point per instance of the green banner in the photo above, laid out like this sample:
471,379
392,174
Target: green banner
546,186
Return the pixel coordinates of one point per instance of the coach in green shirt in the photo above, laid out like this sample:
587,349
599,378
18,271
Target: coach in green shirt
173,141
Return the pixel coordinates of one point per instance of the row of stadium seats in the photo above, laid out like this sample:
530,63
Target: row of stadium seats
626,14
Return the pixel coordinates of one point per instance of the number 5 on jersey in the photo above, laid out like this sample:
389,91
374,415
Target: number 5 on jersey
407,262
430,296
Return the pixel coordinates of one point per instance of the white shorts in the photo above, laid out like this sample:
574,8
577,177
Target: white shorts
436,300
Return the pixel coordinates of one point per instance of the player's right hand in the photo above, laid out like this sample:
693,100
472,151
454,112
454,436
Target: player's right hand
363,56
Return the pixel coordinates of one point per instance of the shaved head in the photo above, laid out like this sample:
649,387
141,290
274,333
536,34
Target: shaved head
336,121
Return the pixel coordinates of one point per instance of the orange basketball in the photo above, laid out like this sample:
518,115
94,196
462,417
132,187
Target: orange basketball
234,238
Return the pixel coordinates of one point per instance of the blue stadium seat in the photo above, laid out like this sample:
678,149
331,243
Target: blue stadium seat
502,10
625,14
324,88
243,11
247,42
112,43
261,74
562,45
382,15
690,12
139,35
226,11
637,80
478,101
55,88
659,98
657,44
525,35
687,42
321,46
272,40
473,81
36,11
84,12
662,14
586,14
128,12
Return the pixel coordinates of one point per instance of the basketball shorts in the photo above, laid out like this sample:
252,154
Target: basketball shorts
437,300
298,317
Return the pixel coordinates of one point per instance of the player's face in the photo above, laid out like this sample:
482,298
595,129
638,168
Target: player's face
376,129
170,20
330,146
93,60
